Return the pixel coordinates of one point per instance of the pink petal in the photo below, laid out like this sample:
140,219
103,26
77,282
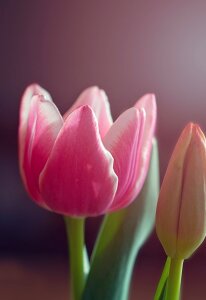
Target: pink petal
148,103
78,178
192,218
98,101
43,125
180,216
124,141
33,89
168,206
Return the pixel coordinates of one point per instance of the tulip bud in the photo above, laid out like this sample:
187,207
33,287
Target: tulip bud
181,209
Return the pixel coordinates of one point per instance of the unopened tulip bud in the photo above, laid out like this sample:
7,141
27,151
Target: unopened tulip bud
181,209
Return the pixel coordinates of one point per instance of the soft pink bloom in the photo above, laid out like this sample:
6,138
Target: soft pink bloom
83,164
181,209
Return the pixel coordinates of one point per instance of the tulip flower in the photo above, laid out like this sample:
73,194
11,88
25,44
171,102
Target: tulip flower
81,163
181,209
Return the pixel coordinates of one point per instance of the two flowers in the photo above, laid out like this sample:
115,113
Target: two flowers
82,164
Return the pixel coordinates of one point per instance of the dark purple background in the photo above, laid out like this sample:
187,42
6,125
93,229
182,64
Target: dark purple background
127,48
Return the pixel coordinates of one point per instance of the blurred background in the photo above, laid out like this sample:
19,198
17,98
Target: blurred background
128,48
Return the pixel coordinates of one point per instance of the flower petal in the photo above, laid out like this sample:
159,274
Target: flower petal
168,207
43,125
192,220
148,103
33,89
98,101
78,178
124,141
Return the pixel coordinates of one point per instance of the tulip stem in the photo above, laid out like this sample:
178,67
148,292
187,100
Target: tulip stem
161,288
78,260
174,279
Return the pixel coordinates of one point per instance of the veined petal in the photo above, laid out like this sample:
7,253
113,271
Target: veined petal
33,89
81,181
124,141
168,207
43,125
148,103
98,101
181,217
192,221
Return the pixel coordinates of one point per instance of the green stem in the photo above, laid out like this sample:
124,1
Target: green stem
163,280
174,279
75,236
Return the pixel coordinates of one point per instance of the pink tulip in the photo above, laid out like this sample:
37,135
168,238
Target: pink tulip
181,209
83,164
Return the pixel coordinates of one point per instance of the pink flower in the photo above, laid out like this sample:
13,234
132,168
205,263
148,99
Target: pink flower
83,164
181,209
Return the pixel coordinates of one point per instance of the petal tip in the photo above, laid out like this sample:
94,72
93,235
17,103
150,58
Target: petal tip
148,101
152,99
92,89
103,94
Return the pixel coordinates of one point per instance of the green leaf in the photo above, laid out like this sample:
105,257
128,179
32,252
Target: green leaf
122,235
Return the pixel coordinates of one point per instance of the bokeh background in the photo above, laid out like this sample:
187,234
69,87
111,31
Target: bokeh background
128,48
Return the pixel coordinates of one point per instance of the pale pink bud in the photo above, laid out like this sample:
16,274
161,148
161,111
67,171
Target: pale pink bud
181,209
